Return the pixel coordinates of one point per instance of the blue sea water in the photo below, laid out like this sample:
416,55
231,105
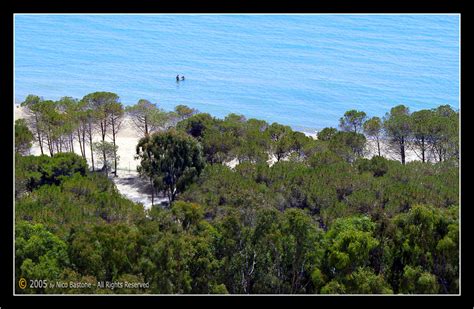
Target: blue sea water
300,70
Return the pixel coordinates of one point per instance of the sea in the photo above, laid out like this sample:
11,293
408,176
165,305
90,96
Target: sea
301,70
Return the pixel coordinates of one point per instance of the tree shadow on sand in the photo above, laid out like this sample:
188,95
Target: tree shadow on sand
137,183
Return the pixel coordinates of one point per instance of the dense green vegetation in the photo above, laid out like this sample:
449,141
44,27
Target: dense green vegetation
320,219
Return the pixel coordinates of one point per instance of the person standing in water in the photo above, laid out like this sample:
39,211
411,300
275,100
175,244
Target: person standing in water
182,77
177,78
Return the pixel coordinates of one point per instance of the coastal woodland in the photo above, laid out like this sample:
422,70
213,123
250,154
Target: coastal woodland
322,218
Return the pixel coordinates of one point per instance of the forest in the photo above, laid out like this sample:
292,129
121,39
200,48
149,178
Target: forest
322,218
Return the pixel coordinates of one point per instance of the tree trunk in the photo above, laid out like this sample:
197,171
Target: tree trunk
84,142
104,155
115,150
80,142
90,142
439,153
105,162
146,126
402,149
40,141
50,143
72,142
423,149
152,192
378,145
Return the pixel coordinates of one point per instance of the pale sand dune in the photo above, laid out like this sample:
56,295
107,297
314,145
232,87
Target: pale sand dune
385,151
313,135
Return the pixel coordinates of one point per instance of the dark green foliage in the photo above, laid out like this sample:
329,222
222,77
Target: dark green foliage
281,140
171,159
196,125
398,128
23,137
373,129
34,171
327,134
378,166
347,145
78,200
352,121
63,165
277,253
104,250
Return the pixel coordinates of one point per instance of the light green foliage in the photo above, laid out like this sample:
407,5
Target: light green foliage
418,282
39,255
365,281
350,243
33,109
333,287
421,236
101,102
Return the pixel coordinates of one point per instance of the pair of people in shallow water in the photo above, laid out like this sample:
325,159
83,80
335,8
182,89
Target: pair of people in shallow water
177,78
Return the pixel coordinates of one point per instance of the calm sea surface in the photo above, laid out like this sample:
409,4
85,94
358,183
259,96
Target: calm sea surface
300,70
